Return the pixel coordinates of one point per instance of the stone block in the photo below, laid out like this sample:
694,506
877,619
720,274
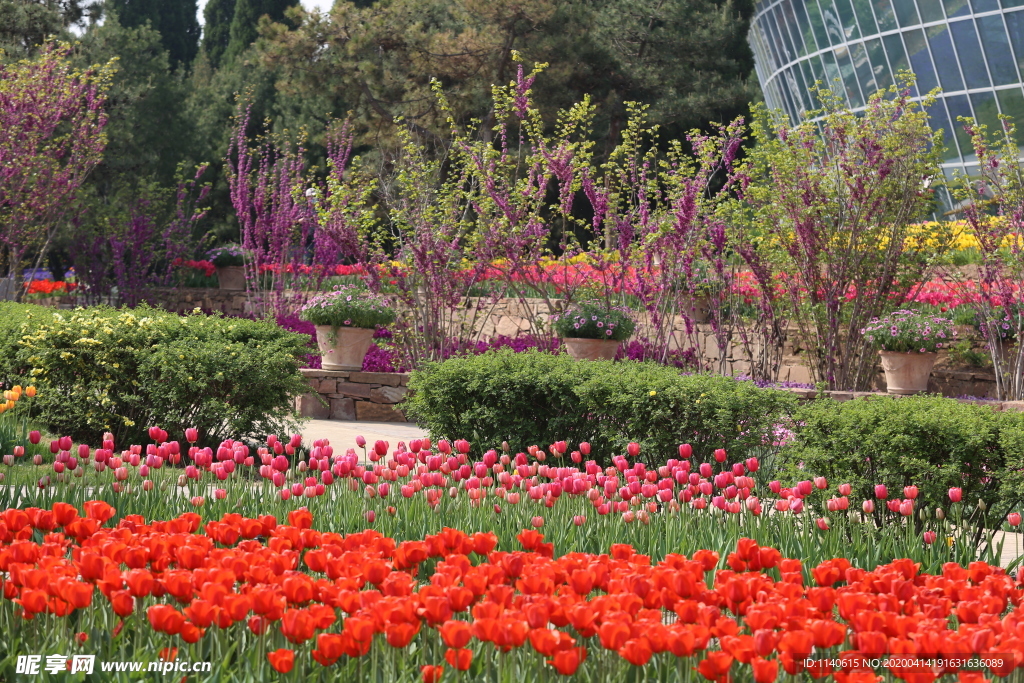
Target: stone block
799,373
388,394
405,379
391,379
377,412
312,372
314,384
310,405
328,386
348,389
508,327
343,409
1013,405
841,395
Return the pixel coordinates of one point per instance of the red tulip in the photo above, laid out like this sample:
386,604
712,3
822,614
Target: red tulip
1013,518
34,437
282,660
685,450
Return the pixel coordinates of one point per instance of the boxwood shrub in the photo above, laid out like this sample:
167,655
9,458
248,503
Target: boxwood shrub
536,398
123,370
930,442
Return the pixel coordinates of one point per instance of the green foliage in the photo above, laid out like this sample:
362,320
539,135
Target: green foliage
348,307
227,255
217,16
964,353
594,321
538,398
102,369
932,442
175,20
243,31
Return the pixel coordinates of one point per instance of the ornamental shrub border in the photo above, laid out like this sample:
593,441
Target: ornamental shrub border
100,369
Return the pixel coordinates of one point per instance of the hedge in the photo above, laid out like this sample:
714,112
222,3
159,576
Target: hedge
123,370
536,398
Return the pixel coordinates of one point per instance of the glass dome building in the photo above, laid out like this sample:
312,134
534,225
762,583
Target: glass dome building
972,49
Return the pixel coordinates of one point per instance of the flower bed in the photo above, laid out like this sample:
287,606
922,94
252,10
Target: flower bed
264,597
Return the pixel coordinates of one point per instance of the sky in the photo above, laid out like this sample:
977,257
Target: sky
322,5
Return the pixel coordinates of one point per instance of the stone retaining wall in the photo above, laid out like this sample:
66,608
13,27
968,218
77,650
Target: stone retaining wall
363,396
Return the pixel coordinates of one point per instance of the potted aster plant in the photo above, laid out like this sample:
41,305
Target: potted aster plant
229,260
908,343
345,320
591,330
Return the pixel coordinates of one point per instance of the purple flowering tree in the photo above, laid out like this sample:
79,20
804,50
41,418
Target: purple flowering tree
51,137
826,209
275,217
993,287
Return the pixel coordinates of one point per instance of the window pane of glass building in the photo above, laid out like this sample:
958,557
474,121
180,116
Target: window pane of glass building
977,60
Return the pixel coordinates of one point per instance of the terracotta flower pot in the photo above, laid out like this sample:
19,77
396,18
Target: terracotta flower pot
591,349
343,348
231,277
907,373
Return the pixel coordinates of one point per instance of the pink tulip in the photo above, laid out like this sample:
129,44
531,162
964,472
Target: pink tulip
797,506
956,495
444,447
844,489
198,501
804,488
537,521
720,454
753,465
910,492
820,483
192,435
19,451
929,537
705,470
219,494
907,508
775,486
1013,518
881,492
34,437
822,523
633,449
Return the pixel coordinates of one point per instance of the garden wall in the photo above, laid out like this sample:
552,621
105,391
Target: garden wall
363,396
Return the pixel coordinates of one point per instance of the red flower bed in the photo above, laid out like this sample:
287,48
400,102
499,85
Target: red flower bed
337,593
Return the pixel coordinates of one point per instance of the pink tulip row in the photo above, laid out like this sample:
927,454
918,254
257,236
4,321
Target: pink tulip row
627,487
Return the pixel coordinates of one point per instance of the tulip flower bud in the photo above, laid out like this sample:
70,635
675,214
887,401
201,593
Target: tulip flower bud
982,505
940,514
361,441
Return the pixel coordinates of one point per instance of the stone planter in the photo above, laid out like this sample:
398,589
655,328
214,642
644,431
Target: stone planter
231,277
343,348
591,349
907,373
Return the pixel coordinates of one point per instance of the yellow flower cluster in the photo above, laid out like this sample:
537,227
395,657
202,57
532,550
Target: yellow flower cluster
961,237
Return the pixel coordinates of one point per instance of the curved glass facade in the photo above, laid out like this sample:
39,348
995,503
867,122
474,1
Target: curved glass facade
972,49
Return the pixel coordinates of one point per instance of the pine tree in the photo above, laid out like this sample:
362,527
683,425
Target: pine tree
176,21
247,17
217,16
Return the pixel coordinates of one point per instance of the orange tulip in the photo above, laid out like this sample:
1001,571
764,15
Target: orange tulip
281,660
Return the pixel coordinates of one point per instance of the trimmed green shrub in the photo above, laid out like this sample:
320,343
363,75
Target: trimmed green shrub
102,369
930,442
535,398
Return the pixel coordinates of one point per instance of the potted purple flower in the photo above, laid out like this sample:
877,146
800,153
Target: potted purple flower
591,331
345,320
229,260
908,343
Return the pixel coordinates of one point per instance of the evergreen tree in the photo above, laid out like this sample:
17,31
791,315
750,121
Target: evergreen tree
25,24
217,16
246,20
176,21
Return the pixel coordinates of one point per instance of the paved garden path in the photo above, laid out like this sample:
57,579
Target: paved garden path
343,433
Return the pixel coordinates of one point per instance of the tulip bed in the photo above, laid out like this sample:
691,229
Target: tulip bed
714,572
253,594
